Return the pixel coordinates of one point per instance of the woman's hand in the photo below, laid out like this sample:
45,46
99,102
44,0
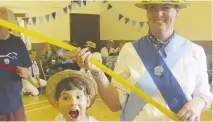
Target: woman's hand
191,111
83,57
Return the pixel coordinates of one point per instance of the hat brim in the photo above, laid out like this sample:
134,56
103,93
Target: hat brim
143,5
54,80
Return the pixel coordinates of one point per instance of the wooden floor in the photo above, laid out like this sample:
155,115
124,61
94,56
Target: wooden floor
37,108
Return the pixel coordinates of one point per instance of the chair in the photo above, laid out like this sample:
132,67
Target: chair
46,76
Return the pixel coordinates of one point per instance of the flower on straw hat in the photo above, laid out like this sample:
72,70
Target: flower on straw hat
90,44
54,80
180,3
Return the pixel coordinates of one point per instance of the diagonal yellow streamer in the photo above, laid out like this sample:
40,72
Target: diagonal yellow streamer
117,77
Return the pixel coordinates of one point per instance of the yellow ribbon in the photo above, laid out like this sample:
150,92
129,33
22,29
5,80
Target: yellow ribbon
117,77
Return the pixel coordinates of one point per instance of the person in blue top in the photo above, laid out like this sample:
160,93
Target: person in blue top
13,53
67,63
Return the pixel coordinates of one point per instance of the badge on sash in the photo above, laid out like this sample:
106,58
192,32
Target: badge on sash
158,70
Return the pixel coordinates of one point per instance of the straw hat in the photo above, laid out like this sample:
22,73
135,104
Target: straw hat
54,80
180,3
90,44
8,14
10,18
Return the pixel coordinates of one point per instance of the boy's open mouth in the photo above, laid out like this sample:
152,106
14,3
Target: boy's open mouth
74,114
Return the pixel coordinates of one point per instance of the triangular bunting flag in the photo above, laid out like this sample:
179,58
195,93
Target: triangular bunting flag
19,20
59,13
105,1
65,10
41,18
74,5
26,20
70,7
109,6
34,20
53,15
47,17
133,23
120,16
126,20
85,2
114,11
141,24
79,3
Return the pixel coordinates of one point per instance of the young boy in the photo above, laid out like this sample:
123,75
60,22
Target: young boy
71,92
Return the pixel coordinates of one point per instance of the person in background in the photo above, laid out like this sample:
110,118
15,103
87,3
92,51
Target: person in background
120,45
67,63
13,53
49,60
31,85
108,50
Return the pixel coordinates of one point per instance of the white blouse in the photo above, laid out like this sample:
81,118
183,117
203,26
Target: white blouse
190,71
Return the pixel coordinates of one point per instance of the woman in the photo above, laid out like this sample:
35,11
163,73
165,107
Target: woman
49,60
166,66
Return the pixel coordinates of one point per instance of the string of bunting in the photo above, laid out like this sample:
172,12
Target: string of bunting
78,3
54,15
121,16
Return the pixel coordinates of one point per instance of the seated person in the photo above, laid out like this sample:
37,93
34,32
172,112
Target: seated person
72,93
108,49
49,60
33,82
67,63
120,45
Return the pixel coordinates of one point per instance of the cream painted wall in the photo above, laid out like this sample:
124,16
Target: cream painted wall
194,22
58,28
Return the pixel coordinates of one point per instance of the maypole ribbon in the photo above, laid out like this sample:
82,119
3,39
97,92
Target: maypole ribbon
117,77
14,69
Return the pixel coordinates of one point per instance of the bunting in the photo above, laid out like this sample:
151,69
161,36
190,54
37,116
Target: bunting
80,3
121,16
54,15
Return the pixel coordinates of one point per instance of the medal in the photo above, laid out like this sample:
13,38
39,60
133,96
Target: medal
158,70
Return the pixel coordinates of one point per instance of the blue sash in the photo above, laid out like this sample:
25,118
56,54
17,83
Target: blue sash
166,83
